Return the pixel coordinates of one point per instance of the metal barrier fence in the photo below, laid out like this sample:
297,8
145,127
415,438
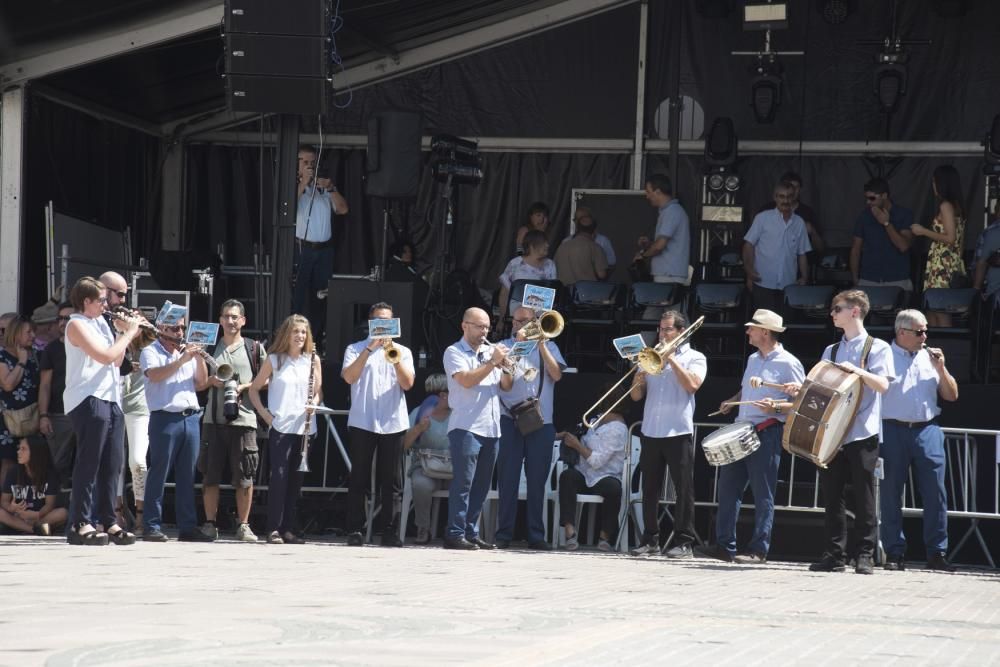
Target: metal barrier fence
798,482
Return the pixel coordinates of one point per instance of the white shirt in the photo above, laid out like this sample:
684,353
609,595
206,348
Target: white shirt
669,408
779,367
288,392
476,409
777,245
869,417
607,446
85,376
913,393
313,215
378,403
176,393
522,390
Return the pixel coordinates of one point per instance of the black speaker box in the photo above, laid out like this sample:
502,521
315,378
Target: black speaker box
272,94
288,17
394,161
277,55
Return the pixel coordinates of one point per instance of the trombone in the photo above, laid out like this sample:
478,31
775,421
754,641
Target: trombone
651,360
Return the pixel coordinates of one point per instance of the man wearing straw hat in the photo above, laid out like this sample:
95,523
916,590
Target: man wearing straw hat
766,407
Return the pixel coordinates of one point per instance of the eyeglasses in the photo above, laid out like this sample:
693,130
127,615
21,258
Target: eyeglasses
666,328
839,307
103,299
481,327
178,327
121,295
916,332
521,321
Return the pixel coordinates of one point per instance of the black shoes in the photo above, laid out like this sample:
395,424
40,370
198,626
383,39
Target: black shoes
481,543
864,565
122,537
894,564
715,551
502,544
541,545
154,535
355,539
828,564
681,551
391,540
938,562
194,535
459,543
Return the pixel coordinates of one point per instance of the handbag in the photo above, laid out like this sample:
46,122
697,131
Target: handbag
435,463
527,414
22,421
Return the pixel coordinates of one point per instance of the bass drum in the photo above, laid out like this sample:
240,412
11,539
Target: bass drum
822,413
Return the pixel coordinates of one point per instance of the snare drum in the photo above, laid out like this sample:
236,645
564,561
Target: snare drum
823,412
730,443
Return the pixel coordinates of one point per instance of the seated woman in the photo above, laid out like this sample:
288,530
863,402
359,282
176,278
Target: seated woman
428,430
533,265
28,498
599,472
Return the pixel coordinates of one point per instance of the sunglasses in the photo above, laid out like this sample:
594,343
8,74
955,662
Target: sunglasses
871,197
916,332
839,307
177,327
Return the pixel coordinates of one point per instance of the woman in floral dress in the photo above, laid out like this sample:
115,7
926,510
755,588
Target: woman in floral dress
19,376
947,235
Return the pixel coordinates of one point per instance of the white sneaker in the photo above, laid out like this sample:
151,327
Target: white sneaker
646,550
244,534
604,545
572,543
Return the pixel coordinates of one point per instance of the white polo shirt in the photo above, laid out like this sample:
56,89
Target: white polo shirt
669,408
378,403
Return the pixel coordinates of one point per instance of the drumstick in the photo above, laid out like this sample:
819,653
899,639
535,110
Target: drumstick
730,403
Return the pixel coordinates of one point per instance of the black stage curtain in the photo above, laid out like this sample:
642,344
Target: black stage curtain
92,169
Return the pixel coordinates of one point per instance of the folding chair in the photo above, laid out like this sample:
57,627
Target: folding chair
885,303
724,307
593,305
589,498
658,296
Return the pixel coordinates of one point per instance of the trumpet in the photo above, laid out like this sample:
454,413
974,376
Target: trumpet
548,324
510,366
149,333
391,352
651,360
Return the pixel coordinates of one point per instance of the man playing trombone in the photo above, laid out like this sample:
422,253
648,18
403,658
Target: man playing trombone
474,378
534,449
667,427
230,426
765,405
379,372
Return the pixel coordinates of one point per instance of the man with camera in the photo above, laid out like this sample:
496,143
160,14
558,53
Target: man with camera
229,428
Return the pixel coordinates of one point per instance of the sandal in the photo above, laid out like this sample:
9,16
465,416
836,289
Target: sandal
275,538
92,538
121,537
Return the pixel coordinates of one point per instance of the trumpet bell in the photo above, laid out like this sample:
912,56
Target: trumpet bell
391,352
547,325
650,361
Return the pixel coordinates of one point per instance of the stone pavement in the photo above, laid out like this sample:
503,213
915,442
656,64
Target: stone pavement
328,604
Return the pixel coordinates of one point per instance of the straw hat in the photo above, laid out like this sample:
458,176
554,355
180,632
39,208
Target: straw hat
766,319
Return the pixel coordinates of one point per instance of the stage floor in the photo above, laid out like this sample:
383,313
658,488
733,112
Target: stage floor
325,603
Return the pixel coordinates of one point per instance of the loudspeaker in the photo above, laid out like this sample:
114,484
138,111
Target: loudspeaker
288,17
272,94
277,55
394,161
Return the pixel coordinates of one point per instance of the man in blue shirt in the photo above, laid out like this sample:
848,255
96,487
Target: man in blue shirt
775,251
474,380
880,252
671,247
912,437
318,200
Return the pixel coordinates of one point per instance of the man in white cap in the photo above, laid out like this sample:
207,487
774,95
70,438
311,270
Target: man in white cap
766,408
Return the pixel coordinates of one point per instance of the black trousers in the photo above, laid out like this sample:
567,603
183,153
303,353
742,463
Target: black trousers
388,450
854,464
771,299
656,454
100,456
572,482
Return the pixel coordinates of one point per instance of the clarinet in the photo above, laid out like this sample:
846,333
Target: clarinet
304,451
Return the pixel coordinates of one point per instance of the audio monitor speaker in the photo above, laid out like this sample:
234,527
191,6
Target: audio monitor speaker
394,162
274,94
287,17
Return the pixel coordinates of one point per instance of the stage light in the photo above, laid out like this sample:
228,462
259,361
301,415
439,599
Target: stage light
716,182
835,12
733,183
721,145
890,81
765,96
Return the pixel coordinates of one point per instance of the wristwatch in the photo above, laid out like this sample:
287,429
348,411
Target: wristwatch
777,409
